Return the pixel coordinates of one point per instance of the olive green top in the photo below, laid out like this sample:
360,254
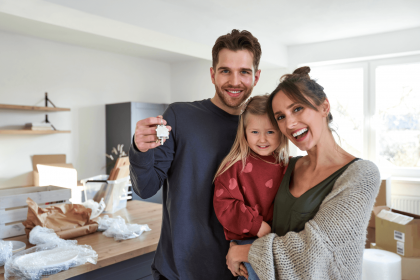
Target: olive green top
291,213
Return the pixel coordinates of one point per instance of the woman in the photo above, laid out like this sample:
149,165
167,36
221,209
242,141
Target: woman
324,202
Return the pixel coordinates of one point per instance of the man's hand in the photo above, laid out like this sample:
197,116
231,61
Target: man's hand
145,136
236,255
264,229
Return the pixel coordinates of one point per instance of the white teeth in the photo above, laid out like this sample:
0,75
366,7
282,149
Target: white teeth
237,91
297,133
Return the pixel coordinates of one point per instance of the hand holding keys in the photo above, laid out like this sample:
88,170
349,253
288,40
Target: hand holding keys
151,133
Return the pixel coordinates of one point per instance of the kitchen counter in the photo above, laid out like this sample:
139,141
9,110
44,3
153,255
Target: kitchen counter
112,252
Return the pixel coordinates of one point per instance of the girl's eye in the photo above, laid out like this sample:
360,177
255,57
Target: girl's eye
279,118
270,132
297,109
254,132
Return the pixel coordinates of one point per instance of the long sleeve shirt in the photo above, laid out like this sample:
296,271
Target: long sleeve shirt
244,197
192,244
331,244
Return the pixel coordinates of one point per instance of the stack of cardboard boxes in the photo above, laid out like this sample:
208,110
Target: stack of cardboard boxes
402,238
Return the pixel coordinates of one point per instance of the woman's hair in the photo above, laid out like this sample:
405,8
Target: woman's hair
256,106
299,87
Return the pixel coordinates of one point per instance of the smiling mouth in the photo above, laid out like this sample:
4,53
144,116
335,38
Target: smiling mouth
300,133
263,147
233,93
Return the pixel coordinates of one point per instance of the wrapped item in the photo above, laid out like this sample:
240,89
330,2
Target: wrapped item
42,235
6,248
48,259
97,208
67,220
118,229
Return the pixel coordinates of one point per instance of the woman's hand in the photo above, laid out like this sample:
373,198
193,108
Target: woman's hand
236,255
264,229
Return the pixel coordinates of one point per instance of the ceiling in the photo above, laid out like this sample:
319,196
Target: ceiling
274,22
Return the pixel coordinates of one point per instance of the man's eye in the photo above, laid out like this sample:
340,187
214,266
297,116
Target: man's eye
225,71
297,109
244,72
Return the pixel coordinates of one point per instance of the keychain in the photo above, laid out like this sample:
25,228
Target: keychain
162,132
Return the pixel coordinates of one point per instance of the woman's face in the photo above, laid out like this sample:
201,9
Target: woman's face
303,125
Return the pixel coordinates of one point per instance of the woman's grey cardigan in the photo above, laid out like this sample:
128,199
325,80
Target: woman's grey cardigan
332,243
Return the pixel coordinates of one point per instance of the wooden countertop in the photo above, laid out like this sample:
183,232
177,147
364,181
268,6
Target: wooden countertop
110,251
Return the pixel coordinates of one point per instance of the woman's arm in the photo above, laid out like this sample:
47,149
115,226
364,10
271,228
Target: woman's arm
331,245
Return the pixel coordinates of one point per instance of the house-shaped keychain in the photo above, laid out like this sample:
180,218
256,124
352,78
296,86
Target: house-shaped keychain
162,133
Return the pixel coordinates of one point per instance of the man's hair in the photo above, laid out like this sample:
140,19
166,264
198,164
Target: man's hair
235,41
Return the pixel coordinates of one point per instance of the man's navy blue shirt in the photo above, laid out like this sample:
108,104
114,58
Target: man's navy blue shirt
192,244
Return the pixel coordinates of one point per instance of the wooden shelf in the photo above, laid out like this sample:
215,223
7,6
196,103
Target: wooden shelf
32,108
27,131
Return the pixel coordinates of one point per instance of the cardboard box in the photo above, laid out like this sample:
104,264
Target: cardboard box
53,170
410,267
402,239
383,198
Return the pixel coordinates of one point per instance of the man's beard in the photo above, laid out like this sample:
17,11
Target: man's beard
230,101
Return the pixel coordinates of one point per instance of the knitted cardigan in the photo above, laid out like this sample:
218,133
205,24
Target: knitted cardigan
332,243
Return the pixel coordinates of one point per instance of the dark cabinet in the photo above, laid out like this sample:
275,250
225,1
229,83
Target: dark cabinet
121,120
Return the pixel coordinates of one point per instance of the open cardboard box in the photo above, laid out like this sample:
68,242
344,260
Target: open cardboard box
402,239
410,267
53,170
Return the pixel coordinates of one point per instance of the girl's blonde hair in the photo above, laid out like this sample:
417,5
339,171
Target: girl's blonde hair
256,105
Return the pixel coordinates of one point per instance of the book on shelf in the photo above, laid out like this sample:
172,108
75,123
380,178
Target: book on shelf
38,126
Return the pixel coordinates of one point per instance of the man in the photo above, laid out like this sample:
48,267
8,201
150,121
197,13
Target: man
192,245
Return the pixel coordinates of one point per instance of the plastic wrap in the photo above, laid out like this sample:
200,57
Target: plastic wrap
41,235
119,230
97,208
51,255
6,248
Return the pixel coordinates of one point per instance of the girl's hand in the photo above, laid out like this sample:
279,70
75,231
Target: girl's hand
236,255
264,229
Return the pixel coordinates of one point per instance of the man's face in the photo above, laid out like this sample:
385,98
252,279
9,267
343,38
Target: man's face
234,78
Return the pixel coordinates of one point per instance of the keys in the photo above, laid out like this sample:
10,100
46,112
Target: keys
162,132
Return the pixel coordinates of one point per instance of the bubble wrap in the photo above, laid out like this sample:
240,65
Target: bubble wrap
117,228
51,255
6,248
97,208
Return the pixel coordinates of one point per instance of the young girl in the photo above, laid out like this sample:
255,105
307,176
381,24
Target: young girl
247,180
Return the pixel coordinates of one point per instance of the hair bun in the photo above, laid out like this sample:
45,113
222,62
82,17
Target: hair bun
303,71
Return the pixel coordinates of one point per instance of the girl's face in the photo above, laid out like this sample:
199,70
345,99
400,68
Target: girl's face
301,124
261,136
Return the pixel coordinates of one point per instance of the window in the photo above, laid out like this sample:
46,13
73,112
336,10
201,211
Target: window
376,110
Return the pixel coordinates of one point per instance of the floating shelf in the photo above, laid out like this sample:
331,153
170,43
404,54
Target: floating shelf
27,131
32,108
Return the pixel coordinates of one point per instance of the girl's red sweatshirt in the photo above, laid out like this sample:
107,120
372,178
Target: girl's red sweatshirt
244,198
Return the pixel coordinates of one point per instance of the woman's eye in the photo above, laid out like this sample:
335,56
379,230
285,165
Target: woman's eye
279,118
297,109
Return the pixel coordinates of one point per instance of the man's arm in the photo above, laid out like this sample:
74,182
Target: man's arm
150,161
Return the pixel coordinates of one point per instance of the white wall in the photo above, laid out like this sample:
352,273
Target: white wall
404,41
78,78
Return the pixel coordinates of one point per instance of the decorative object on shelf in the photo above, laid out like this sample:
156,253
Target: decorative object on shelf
36,128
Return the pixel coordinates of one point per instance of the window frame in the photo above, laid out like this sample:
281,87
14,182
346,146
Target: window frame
369,105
